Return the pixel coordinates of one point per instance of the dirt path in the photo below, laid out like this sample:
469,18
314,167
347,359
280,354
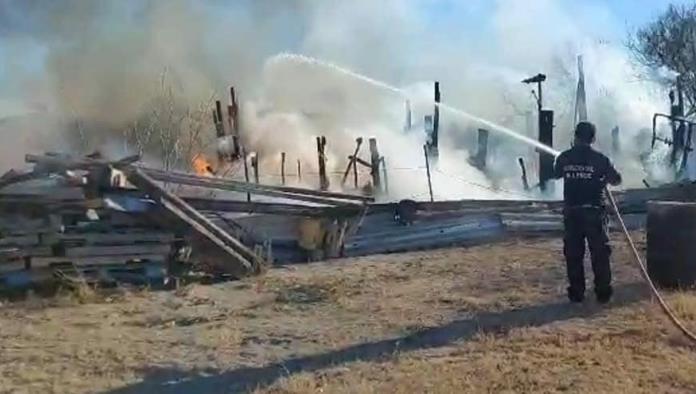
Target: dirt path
485,319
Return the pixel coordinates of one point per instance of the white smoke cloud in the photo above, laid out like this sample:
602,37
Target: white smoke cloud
102,60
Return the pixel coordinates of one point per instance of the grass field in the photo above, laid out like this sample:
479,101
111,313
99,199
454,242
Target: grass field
484,319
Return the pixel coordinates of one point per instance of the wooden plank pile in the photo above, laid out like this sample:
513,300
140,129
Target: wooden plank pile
110,221
43,238
97,220
64,219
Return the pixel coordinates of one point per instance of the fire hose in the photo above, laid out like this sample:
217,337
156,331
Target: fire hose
644,271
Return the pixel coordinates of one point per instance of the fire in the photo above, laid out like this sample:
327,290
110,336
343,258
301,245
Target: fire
201,166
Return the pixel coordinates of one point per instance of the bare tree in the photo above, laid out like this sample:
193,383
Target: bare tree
170,129
669,42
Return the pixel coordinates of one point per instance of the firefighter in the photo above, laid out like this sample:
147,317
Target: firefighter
585,174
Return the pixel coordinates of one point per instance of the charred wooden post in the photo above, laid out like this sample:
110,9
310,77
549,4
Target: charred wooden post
219,126
436,119
432,126
355,174
479,161
407,124
375,163
233,113
615,143
525,182
386,178
352,163
299,170
427,169
246,171
255,167
321,152
282,168
482,147
545,137
219,133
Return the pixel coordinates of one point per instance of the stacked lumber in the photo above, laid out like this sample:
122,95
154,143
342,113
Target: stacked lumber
42,238
107,221
80,219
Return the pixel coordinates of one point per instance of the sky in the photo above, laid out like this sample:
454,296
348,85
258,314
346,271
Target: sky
446,20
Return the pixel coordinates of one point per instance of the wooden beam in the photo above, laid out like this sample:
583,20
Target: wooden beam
360,161
225,185
178,177
56,163
351,163
12,177
244,260
216,205
118,250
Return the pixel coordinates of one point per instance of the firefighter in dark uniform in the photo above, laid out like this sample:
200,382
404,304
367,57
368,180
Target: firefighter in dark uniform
585,174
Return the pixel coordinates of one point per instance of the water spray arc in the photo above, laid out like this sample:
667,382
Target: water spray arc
310,61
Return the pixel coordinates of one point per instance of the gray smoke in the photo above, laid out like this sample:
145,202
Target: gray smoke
103,61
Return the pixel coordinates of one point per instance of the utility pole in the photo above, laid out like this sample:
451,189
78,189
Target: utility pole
545,132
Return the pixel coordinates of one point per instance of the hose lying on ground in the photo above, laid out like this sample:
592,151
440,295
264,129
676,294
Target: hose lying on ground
665,307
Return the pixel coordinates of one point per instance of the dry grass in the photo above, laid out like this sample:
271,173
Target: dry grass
684,305
485,319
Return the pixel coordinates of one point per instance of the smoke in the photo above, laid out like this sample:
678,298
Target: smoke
103,61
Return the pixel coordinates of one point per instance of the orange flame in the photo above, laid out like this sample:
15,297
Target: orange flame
201,166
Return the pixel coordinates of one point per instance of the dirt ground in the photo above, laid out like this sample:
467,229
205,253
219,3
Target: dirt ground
484,319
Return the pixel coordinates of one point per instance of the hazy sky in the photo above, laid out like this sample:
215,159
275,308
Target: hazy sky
23,36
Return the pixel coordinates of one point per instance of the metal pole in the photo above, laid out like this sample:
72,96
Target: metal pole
427,168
